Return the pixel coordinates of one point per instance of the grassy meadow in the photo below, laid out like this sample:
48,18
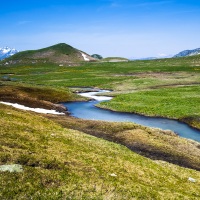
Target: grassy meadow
60,156
179,103
62,163
166,87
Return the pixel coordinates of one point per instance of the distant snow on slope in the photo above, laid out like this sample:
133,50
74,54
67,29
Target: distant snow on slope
37,110
85,56
6,52
93,95
192,52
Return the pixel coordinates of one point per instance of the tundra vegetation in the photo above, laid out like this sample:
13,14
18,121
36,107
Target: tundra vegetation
61,158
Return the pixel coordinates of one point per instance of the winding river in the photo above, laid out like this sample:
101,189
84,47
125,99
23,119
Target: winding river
88,110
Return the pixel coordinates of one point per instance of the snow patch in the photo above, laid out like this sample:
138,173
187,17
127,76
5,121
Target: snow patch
11,168
92,95
6,52
85,57
37,110
191,180
113,175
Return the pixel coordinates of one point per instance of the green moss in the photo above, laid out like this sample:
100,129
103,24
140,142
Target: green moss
152,143
176,103
62,163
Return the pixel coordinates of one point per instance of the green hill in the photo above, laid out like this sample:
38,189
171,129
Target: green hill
59,53
124,161
115,59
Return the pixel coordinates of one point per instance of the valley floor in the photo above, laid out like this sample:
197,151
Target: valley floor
63,163
124,160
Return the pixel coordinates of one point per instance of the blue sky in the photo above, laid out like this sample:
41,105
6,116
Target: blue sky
128,28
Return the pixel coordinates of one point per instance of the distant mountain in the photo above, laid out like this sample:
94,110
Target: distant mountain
147,58
6,52
114,59
188,53
152,58
62,54
97,56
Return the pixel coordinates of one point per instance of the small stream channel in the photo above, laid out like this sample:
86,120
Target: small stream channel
88,110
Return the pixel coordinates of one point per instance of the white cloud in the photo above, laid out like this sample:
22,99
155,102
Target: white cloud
153,3
19,23
115,5
162,54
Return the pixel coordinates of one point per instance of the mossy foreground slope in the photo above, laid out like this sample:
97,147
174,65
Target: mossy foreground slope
61,163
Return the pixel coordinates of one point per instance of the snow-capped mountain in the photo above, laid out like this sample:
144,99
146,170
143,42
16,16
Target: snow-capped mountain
152,58
6,52
188,53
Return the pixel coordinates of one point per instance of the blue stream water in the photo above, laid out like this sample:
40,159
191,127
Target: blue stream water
87,110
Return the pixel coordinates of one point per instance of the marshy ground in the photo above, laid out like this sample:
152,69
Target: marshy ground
61,161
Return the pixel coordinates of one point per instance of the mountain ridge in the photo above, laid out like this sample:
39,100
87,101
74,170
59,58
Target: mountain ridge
60,53
6,52
184,53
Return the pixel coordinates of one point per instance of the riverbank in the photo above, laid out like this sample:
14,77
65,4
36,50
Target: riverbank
149,142
35,96
58,162
90,110
192,121
153,143
161,103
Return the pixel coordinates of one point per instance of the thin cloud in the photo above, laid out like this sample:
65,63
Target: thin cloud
115,5
110,4
20,23
127,4
187,11
154,3
163,55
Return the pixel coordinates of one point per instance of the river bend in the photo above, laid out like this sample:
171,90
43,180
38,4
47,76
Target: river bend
88,110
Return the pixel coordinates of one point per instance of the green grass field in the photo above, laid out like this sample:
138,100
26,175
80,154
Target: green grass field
171,85
61,161
178,103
